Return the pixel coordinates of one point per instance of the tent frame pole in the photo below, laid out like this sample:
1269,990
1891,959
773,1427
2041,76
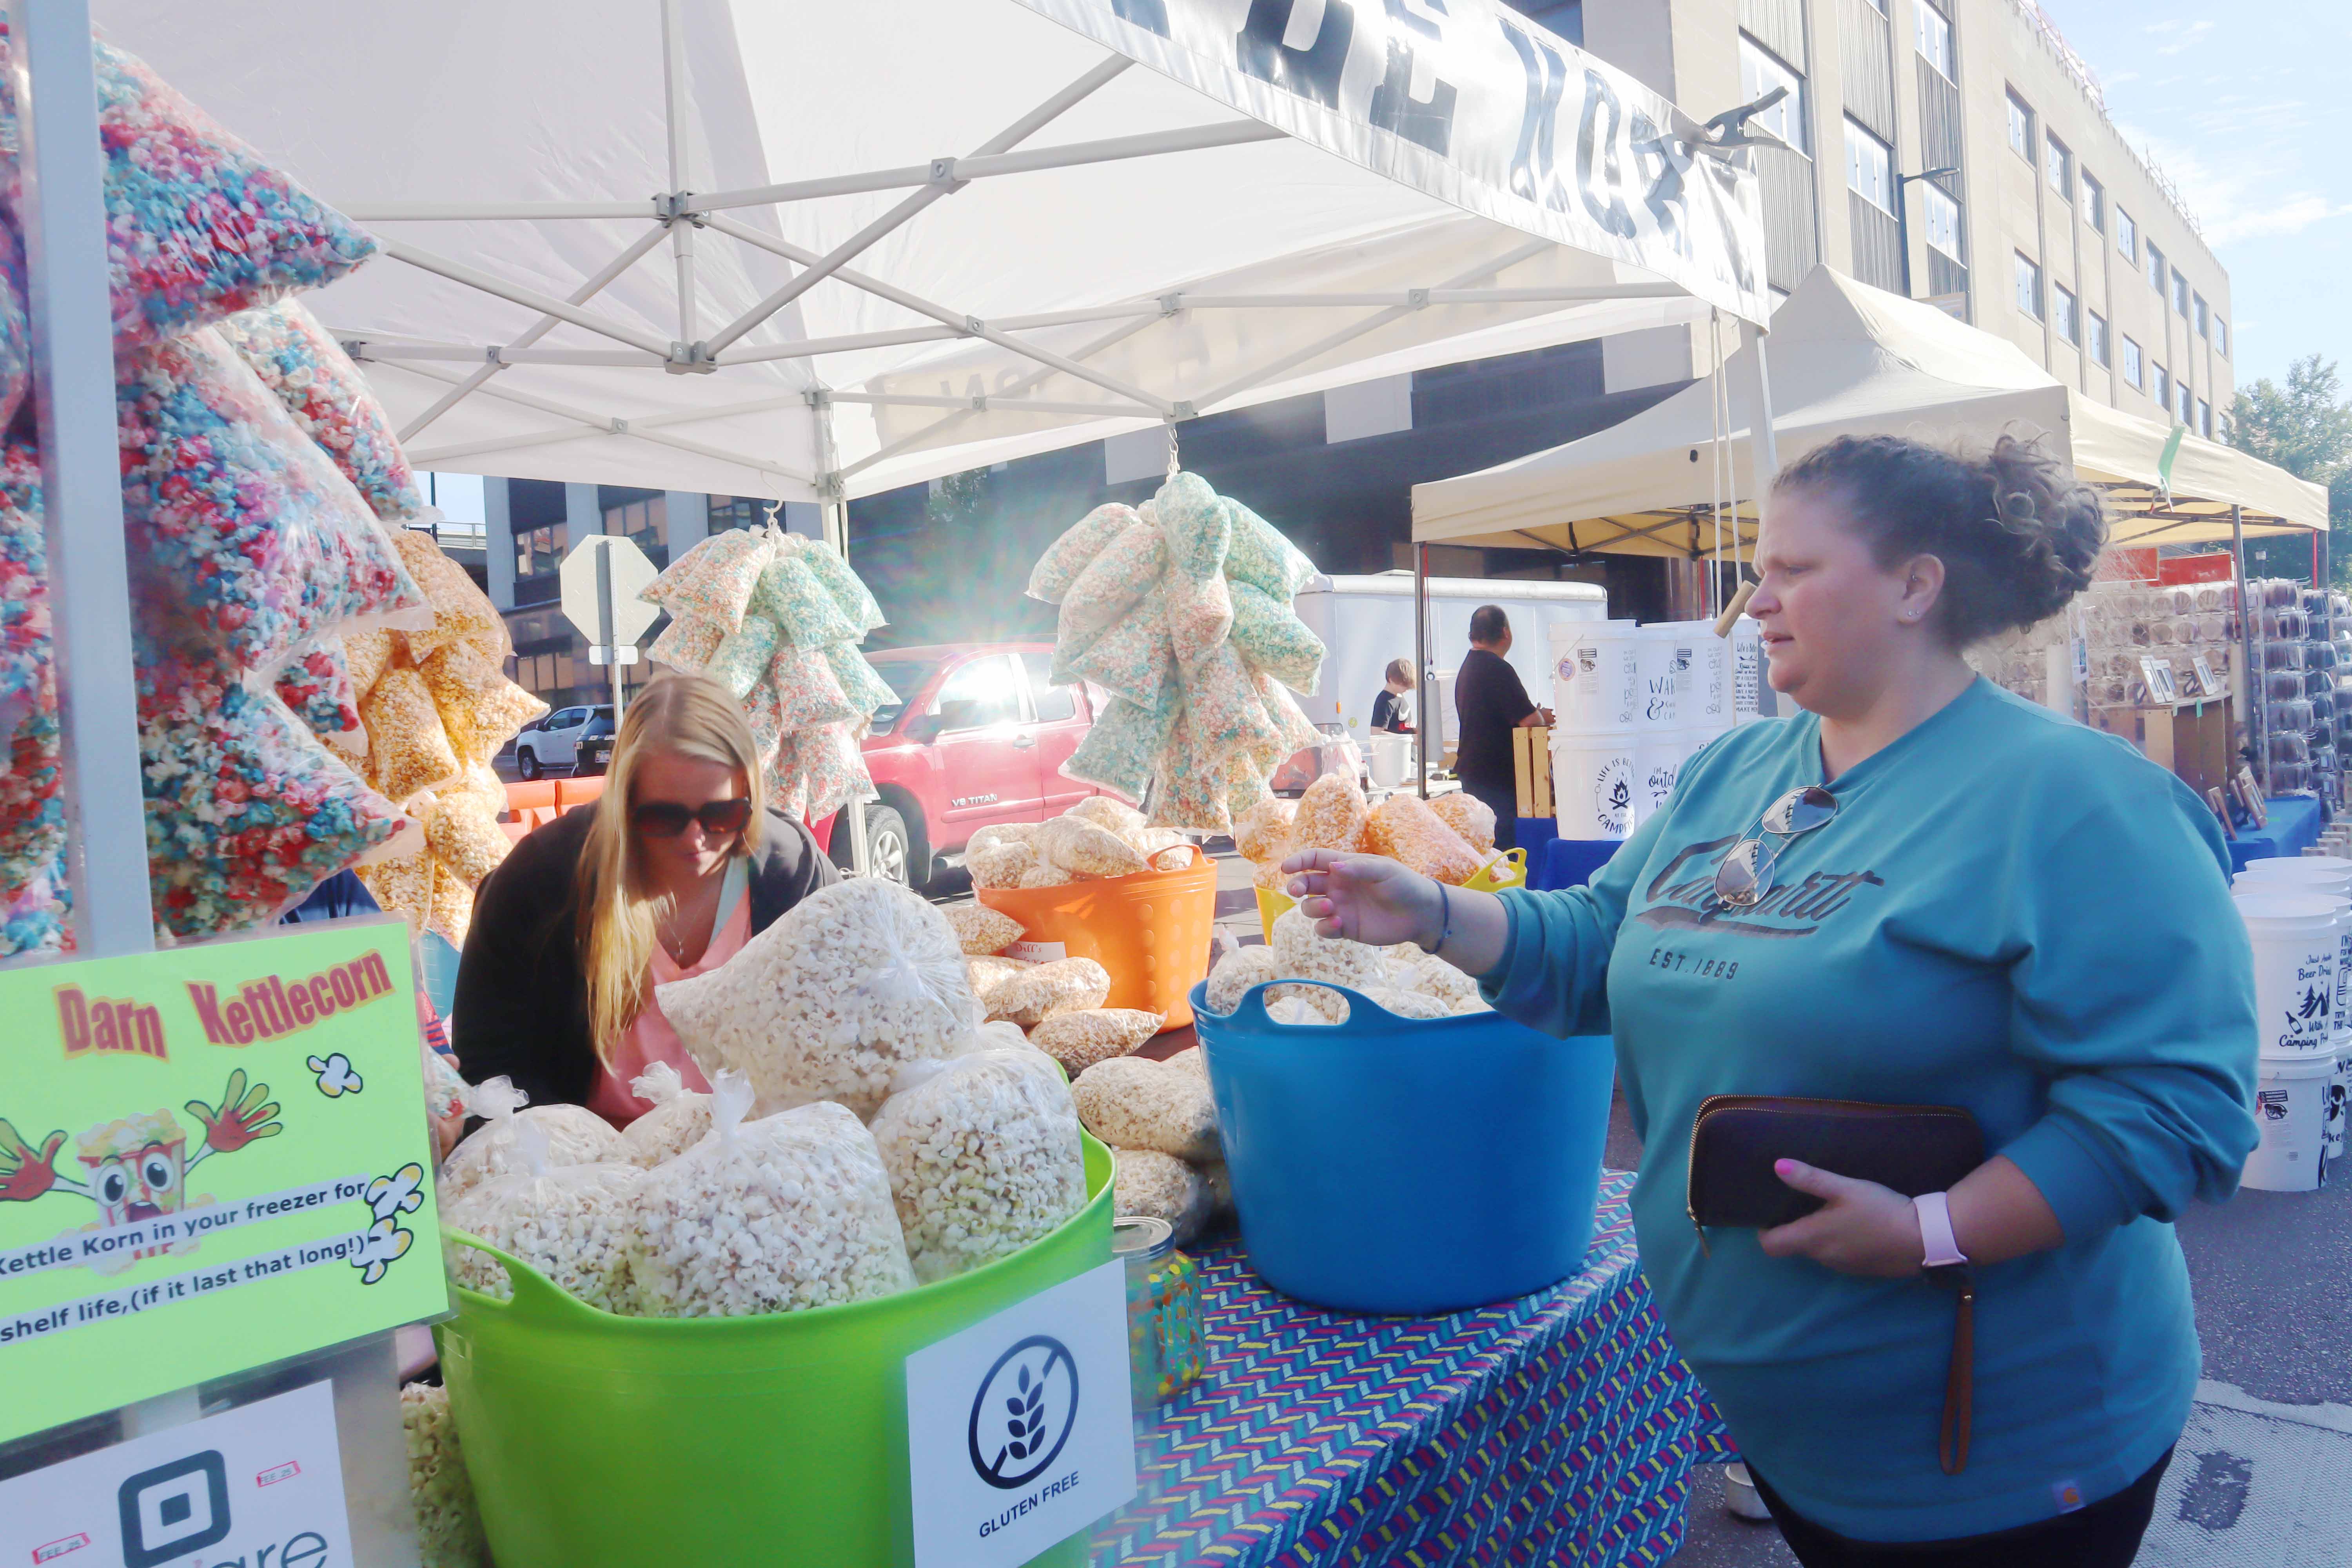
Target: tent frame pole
834,510
675,95
2257,721
1765,454
1425,680
65,222
545,304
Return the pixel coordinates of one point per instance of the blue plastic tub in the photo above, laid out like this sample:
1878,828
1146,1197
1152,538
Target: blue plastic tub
1408,1166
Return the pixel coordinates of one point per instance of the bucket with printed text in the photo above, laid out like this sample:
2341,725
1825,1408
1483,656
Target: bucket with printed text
2295,937
1706,689
1594,790
1596,676
2339,1091
2327,877
1666,651
2291,1105
1658,757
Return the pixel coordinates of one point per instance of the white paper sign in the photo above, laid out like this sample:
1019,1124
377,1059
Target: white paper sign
1038,952
1019,1428
262,1484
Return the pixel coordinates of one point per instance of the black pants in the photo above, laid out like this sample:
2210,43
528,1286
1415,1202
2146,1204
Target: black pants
1503,800
2104,1535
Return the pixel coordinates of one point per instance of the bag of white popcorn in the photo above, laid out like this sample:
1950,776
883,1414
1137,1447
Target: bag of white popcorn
678,1119
984,1155
448,1524
830,1002
572,1223
774,1215
575,1136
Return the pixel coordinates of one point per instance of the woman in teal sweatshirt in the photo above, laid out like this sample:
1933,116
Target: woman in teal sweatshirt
2003,910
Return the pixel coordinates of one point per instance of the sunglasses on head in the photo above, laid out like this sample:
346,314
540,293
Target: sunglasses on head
667,819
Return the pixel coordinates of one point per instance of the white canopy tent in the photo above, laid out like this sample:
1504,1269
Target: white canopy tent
1848,359
809,251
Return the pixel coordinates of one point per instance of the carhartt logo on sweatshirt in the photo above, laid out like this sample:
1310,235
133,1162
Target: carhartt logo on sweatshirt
1683,898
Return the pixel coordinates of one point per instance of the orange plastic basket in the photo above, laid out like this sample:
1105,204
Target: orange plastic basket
1149,931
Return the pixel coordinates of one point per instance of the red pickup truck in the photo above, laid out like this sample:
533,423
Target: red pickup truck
978,735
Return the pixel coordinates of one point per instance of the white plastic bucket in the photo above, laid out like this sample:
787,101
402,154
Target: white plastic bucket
1596,676
2296,937
2341,898
2339,1088
1667,651
1706,706
1746,669
1389,758
2300,868
1594,786
2291,1110
1658,757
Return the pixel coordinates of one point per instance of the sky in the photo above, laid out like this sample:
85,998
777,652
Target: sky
2248,107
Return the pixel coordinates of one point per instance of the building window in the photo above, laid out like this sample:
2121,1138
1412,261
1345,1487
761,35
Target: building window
2154,268
1869,167
1943,220
1762,70
2097,342
2058,163
538,552
2126,235
2064,315
2094,204
1933,32
1877,5
1565,20
738,511
2029,289
2021,128
2188,406
2180,293
2204,419
2204,320
640,521
2135,373
2163,393
2221,337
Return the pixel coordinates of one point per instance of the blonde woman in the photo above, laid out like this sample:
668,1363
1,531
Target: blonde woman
667,875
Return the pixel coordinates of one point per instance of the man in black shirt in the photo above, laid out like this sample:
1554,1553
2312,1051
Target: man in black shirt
1490,702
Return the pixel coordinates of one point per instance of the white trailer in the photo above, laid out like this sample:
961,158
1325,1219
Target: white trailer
1365,622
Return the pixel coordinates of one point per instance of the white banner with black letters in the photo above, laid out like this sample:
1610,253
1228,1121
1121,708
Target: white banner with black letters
1469,102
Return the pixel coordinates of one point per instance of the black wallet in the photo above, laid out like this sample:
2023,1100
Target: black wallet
1913,1149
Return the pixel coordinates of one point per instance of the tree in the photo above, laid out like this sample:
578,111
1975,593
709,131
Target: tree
2305,427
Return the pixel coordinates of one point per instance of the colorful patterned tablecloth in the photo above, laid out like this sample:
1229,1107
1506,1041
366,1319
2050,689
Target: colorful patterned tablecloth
1558,1428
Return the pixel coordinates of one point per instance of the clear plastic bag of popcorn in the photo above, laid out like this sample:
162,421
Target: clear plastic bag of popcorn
979,929
790,595
1304,955
1075,550
1271,638
1330,816
1262,833
1260,556
1194,520
448,1522
712,583
1121,750
1468,816
575,1136
401,885
687,645
1116,815
1076,844
1113,583
1081,1038
984,1156
409,746
1161,1186
1404,828
480,709
741,662
985,972
300,362
677,1121
777,1215
808,694
1222,707
1134,1102
1236,973
1132,658
1293,731
849,590
316,686
461,612
864,690
572,1223
831,1000
1045,874
461,827
1000,865
367,655
1039,991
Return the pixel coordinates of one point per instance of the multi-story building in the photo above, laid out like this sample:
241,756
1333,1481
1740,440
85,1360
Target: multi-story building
1956,151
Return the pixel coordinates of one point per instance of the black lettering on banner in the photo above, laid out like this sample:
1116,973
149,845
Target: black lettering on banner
1312,72
1431,123
1547,78
1152,15
1664,159
1597,156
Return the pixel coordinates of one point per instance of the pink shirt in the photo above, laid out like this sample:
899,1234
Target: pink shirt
651,1039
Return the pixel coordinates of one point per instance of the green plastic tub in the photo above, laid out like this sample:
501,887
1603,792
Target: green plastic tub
596,1441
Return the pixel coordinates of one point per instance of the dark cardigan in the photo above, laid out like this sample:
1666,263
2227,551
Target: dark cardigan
522,1001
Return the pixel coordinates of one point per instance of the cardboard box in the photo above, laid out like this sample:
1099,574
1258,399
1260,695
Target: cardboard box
2192,739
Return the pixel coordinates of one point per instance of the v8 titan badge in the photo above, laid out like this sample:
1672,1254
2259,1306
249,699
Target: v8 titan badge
1019,1429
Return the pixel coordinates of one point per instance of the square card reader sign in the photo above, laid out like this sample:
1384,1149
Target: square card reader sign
1019,1429
210,1158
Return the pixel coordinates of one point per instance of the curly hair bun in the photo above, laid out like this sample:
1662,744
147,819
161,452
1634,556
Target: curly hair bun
2017,533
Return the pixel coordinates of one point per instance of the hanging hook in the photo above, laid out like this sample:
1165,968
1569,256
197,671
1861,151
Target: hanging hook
1172,470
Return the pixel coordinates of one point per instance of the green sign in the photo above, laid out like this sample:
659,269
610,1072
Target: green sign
210,1158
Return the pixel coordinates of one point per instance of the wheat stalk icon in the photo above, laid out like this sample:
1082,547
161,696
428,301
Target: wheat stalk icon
1026,1422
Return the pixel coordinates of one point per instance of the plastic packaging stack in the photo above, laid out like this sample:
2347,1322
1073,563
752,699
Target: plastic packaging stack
1181,609
253,505
436,707
777,618
448,1523
1450,838
1161,1120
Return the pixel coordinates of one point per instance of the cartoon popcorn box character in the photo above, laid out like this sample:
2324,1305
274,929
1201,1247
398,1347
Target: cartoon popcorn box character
136,1167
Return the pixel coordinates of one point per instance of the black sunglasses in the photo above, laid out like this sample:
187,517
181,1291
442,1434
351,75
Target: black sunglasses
667,819
1746,874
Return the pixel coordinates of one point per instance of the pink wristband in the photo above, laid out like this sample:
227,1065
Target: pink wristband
1936,1230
